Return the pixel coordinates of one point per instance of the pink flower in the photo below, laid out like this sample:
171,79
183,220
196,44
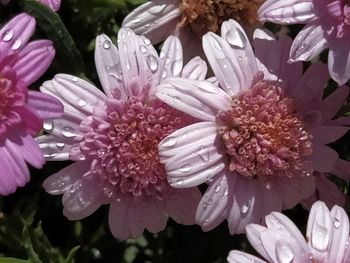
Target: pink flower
53,4
113,137
328,25
22,111
189,19
327,236
262,141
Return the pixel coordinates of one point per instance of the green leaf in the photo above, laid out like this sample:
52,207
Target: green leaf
27,243
13,260
50,22
71,255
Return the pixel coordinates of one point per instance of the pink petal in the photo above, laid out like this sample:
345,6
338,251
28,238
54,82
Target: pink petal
236,256
287,11
182,205
332,103
108,67
213,207
61,181
195,69
16,33
319,231
191,43
155,19
339,60
53,4
328,192
309,43
55,149
246,206
13,169
328,134
82,198
342,169
34,60
45,106
271,201
126,218
155,215
340,235
323,158
200,99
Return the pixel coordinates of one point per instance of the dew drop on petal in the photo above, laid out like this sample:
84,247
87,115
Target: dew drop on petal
185,168
106,44
81,102
48,125
143,49
146,41
135,21
170,141
336,223
75,79
236,38
17,44
284,252
157,9
217,188
7,36
179,182
152,63
60,145
68,132
245,207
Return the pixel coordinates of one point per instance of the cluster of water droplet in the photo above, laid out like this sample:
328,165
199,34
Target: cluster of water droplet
263,134
122,145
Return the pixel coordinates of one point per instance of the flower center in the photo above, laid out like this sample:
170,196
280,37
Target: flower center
122,141
263,135
7,97
208,15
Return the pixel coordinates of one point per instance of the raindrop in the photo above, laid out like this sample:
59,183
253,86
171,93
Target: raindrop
68,132
48,125
7,36
81,102
135,21
170,141
157,9
164,74
146,41
236,38
245,207
176,67
75,79
336,223
203,153
167,61
208,88
143,49
239,58
179,182
17,44
185,168
106,44
284,252
152,63
217,188
225,195
162,54
60,145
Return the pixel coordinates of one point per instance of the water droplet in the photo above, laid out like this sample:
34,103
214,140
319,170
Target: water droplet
60,145
143,49
48,125
179,182
68,132
217,188
164,74
7,36
135,21
106,44
75,79
185,168
236,38
17,44
170,141
152,63
245,207
81,102
157,9
162,54
176,67
239,58
146,41
284,252
203,153
319,237
207,87
225,195
336,223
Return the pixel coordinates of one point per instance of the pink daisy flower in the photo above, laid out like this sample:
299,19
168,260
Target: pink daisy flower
53,4
22,111
262,141
327,238
327,25
113,137
189,19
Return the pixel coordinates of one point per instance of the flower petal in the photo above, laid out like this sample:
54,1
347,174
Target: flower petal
339,60
45,106
195,69
236,256
328,134
323,158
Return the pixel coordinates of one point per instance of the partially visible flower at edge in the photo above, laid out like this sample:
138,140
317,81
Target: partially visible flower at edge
113,137
327,25
262,142
21,111
53,4
189,20
327,238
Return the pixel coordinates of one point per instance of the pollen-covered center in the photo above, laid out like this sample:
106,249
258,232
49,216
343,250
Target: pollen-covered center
7,97
122,142
208,15
264,136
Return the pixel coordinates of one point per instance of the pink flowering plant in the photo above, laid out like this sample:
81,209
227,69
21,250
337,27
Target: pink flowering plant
174,131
